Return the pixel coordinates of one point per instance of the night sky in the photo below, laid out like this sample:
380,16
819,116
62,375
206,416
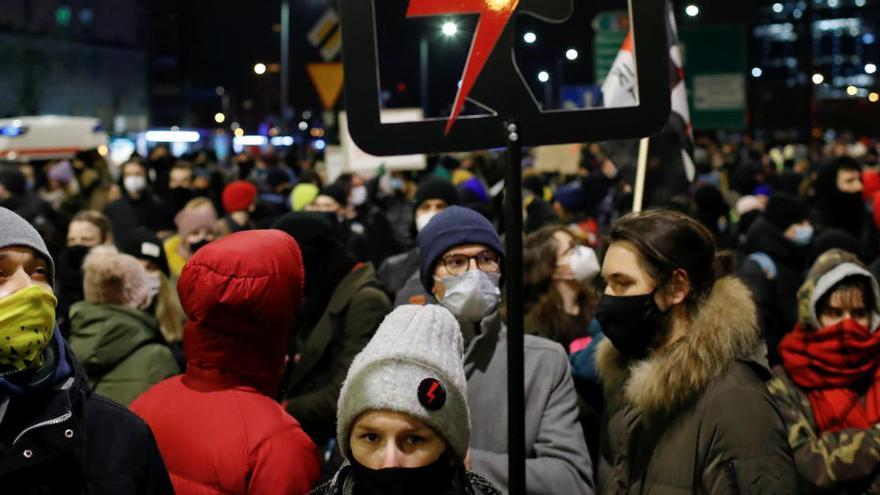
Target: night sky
222,40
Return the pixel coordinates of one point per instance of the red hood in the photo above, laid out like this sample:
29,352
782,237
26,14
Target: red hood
241,295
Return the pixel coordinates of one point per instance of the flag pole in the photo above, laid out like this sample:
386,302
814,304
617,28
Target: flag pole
641,171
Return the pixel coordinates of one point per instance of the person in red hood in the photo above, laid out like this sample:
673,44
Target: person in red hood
218,427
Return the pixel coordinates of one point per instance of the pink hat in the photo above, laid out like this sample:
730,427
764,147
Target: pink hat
189,221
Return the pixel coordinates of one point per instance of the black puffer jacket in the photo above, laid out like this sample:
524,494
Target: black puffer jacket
62,439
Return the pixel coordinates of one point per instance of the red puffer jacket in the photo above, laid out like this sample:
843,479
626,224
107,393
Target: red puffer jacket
218,428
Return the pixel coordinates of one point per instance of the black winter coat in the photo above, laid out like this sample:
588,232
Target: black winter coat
67,440
775,294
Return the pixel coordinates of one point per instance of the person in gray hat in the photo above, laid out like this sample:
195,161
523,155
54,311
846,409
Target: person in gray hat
56,436
403,423
462,265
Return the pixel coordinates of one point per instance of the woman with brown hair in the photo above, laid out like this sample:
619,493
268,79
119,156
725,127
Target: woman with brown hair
684,369
559,303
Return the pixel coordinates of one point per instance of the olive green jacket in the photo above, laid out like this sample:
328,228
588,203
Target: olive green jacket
121,349
354,312
695,418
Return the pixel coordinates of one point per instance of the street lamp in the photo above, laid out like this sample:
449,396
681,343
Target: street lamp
259,69
571,54
692,10
450,29
543,76
818,79
757,72
219,117
870,68
530,37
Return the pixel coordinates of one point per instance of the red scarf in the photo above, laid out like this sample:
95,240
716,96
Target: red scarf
828,364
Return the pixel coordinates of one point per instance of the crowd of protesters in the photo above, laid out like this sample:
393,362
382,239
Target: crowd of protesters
174,324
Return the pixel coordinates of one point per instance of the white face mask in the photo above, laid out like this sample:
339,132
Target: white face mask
423,219
584,264
358,195
134,183
154,284
472,296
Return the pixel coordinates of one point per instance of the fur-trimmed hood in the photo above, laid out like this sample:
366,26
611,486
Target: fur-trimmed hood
724,329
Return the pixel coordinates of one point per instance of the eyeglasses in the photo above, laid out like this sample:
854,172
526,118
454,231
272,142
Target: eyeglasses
457,264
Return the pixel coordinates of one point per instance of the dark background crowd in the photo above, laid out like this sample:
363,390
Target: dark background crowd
121,236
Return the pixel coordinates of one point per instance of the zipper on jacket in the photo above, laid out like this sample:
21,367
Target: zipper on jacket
51,422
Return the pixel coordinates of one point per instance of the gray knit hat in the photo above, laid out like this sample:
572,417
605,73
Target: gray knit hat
412,366
16,231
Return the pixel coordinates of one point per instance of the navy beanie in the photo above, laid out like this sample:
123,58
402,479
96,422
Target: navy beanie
454,226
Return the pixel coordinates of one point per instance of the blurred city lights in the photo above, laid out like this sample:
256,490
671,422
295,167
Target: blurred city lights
834,3
303,126
259,69
852,90
874,97
861,3
450,29
219,117
320,144
239,132
530,37
778,8
250,140
173,136
571,54
818,79
757,72
543,76
692,10
870,68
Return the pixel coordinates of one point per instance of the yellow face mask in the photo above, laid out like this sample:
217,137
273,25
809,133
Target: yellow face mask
27,322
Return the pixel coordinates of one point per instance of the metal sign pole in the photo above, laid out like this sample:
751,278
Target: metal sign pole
513,274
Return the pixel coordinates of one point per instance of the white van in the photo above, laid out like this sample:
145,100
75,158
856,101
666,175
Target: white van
50,137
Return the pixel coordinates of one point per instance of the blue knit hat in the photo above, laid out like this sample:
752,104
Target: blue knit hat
454,226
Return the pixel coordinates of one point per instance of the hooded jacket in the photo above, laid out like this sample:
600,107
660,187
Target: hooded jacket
59,437
695,417
772,273
834,462
218,427
122,350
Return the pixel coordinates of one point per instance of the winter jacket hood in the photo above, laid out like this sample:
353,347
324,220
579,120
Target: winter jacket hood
241,295
723,330
102,335
763,237
831,268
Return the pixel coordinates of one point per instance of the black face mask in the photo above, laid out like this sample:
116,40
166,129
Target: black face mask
194,247
432,479
178,197
632,323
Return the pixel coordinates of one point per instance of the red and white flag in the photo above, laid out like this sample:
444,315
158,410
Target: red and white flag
621,88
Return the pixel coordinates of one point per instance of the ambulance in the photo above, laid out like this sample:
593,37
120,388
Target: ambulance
50,137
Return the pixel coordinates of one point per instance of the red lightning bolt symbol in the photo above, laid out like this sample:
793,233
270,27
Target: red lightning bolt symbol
494,16
430,393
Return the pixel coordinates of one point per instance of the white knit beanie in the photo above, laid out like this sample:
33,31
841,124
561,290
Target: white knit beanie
110,277
413,365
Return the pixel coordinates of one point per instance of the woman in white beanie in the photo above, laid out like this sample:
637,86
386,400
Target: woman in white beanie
403,424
